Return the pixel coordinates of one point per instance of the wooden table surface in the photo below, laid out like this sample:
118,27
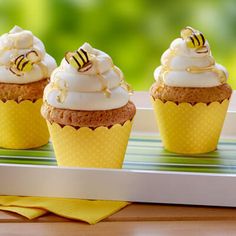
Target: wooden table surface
135,219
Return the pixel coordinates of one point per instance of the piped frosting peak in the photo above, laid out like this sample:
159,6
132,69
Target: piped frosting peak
87,79
189,63
23,58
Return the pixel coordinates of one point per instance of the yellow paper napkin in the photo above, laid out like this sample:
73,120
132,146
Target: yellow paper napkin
30,213
90,211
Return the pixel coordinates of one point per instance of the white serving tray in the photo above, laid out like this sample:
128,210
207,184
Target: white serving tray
126,185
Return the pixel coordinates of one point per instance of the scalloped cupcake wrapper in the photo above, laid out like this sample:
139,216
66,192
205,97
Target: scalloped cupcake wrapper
190,129
22,125
84,147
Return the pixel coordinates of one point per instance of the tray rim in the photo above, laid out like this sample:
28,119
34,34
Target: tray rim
163,186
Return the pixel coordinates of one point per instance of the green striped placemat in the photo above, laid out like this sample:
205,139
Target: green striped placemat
143,153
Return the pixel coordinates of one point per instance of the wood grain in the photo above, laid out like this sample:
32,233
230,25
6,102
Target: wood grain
188,228
155,212
144,212
135,219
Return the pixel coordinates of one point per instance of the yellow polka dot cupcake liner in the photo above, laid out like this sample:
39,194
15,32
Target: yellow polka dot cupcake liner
85,147
22,125
190,129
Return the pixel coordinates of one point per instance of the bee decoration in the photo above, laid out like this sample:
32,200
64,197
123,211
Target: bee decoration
24,63
194,39
79,60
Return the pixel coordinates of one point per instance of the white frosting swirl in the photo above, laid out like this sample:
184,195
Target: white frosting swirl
182,66
84,90
19,42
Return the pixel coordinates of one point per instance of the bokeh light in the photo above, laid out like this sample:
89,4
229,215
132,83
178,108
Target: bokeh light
134,33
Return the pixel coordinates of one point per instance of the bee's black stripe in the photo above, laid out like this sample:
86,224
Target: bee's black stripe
85,53
14,72
18,63
81,57
66,57
195,36
24,64
203,39
19,57
76,62
192,40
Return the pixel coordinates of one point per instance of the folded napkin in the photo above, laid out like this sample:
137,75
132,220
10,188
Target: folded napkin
90,211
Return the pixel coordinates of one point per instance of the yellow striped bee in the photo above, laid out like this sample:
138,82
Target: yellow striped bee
79,59
193,38
24,63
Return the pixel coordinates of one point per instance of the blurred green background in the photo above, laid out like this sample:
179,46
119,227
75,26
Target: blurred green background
133,32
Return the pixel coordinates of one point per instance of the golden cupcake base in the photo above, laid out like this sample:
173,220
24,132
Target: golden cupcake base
190,129
22,125
93,148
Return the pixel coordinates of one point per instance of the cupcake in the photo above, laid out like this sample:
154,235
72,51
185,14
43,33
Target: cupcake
190,95
25,69
88,112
